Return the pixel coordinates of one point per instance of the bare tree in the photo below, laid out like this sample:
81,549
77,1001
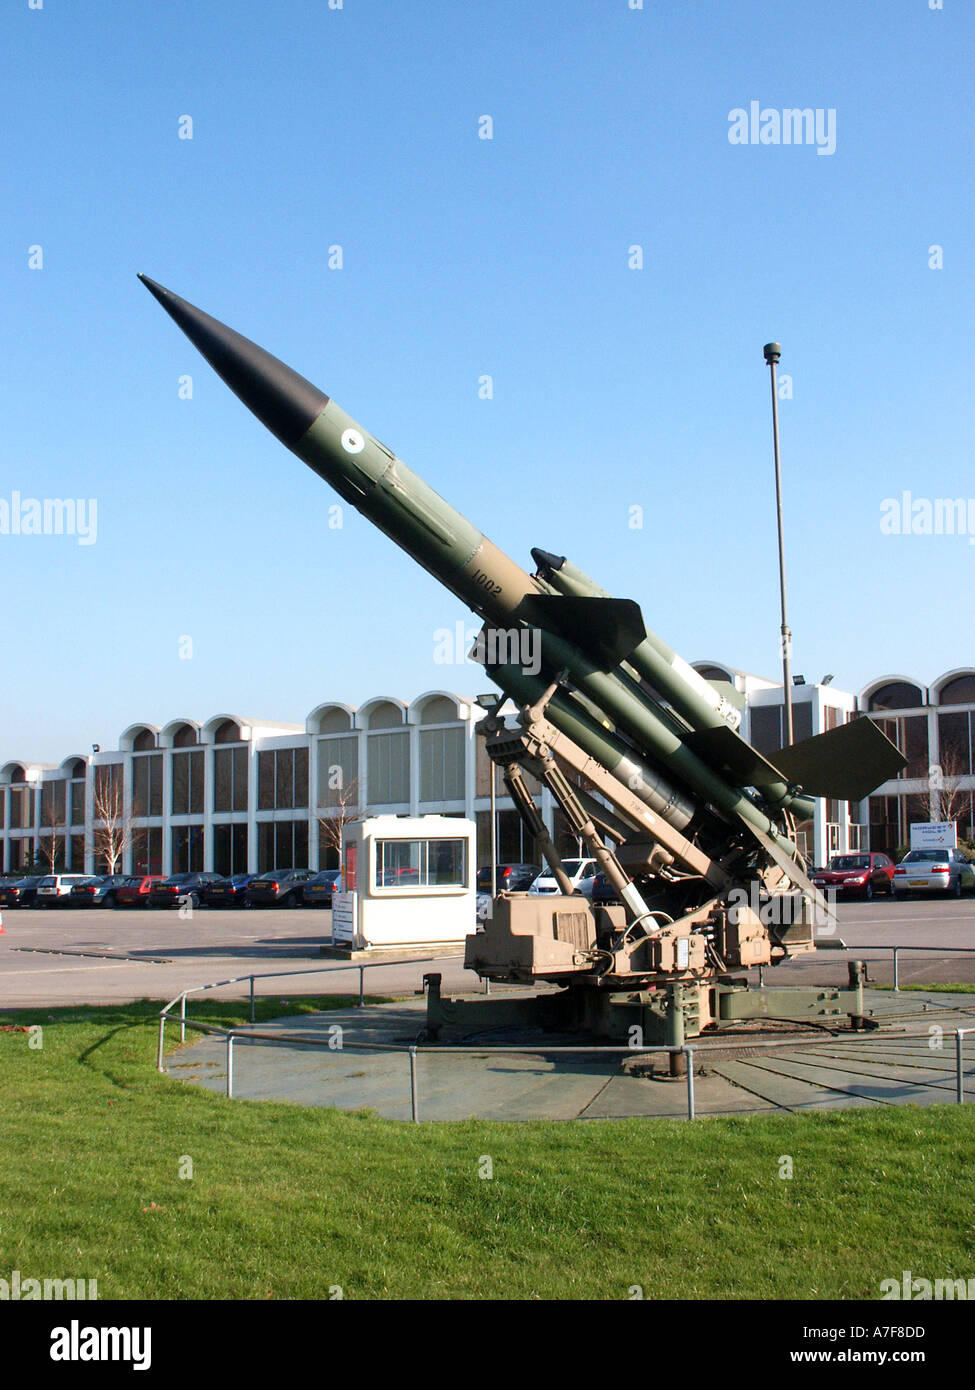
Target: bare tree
53,819
947,799
114,829
344,810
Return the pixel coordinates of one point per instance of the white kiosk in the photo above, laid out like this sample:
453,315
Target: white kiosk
407,881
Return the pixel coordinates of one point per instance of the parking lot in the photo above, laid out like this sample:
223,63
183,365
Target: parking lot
74,956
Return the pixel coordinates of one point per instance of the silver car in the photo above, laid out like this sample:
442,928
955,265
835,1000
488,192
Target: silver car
933,871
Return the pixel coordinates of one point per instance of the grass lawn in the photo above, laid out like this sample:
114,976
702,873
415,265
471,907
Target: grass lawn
286,1202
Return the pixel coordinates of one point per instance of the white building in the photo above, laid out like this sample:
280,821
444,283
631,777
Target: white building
238,794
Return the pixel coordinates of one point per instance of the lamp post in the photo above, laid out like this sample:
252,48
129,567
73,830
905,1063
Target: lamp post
773,352
492,704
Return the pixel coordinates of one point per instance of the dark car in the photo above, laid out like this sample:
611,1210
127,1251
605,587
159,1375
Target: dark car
317,892
178,889
512,878
278,888
22,892
98,891
134,891
603,892
227,892
857,875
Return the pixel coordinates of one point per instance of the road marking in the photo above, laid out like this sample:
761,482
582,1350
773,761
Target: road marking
59,970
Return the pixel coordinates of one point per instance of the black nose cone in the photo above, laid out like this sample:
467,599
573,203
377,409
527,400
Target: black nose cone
281,399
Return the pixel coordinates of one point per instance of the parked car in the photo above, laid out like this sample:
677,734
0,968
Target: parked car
278,888
21,892
227,892
512,878
860,875
317,892
177,889
54,887
581,873
98,891
603,892
134,891
933,871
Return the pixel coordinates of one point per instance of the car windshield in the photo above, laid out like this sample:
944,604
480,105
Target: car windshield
572,866
926,856
48,883
844,862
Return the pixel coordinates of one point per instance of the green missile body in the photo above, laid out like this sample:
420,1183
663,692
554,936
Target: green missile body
380,486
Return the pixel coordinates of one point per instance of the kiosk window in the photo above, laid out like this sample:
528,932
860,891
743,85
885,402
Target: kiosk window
421,863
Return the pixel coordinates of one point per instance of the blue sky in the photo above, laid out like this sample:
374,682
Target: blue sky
464,257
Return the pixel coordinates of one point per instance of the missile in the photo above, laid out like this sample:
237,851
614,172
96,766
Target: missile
586,635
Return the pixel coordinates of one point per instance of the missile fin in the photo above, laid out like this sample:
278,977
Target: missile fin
728,754
846,763
606,630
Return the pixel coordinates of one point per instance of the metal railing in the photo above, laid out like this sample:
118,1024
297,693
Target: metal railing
862,951
233,1035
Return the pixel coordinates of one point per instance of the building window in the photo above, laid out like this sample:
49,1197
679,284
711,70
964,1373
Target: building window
78,803
54,803
282,844
230,779
230,848
187,845
515,844
389,768
21,810
147,785
338,772
442,764
282,779
960,691
188,783
896,695
955,744
147,851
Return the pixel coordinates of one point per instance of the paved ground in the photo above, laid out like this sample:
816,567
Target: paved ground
736,1074
114,956
96,956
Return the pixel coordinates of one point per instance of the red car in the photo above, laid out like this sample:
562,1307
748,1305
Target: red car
134,892
860,875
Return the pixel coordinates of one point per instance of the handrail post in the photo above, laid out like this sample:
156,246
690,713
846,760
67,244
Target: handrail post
162,1042
689,1053
362,972
182,1019
252,999
897,982
413,1101
959,1067
230,1066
